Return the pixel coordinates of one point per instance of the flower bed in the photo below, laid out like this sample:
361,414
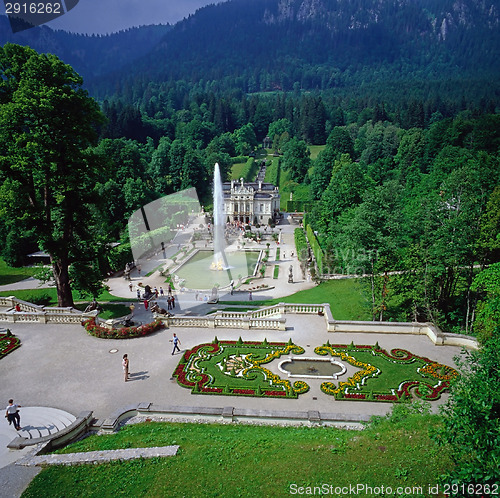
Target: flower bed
384,376
234,368
123,333
8,343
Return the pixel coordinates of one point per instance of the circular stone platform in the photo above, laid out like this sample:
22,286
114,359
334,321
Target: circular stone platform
36,421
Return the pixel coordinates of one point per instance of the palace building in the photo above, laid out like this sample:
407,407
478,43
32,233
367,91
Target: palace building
251,202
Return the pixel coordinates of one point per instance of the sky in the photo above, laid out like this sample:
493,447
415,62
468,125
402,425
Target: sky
109,16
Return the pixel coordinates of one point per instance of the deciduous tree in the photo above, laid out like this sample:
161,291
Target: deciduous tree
47,123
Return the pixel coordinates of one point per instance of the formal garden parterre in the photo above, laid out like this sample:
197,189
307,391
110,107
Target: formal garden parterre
8,343
384,376
236,368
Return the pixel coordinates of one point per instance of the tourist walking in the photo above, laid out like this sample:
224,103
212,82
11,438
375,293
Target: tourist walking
125,365
146,304
12,414
161,291
176,342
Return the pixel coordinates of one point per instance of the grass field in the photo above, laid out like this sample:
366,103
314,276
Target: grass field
345,298
48,297
315,150
237,171
10,275
248,461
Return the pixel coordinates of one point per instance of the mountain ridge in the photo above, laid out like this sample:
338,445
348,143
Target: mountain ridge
267,45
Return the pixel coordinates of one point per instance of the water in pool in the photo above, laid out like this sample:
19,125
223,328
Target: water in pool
197,272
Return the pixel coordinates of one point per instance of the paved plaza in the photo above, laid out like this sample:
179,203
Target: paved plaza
64,369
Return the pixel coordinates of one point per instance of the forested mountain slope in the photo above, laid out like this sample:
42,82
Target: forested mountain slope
263,45
90,55
266,45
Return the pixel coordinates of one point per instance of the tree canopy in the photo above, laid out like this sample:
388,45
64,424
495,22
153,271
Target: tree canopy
47,124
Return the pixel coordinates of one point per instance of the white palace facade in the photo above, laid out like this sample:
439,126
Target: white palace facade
250,202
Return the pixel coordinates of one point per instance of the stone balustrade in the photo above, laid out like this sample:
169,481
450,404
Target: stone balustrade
33,313
236,320
269,318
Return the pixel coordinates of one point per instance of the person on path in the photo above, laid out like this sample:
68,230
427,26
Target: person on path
173,301
146,304
161,291
139,270
176,342
125,365
250,296
138,293
12,414
169,303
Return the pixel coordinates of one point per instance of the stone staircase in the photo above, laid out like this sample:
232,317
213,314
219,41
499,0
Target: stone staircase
42,421
36,421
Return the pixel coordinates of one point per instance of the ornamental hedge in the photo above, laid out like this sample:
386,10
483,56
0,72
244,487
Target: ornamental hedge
122,333
234,368
316,249
8,343
300,244
384,376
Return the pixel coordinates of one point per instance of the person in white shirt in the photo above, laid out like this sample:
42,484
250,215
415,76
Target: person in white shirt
12,414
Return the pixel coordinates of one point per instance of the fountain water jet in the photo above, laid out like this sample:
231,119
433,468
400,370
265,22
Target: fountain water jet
220,261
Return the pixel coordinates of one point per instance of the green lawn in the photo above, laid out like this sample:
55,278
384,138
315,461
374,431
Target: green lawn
111,310
345,298
248,461
237,171
48,296
287,186
10,275
315,150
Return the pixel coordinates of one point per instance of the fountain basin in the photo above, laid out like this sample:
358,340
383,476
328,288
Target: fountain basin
312,368
198,273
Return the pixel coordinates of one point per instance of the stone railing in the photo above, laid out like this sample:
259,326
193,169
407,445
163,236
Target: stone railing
309,309
224,319
269,318
185,321
230,414
33,313
438,337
